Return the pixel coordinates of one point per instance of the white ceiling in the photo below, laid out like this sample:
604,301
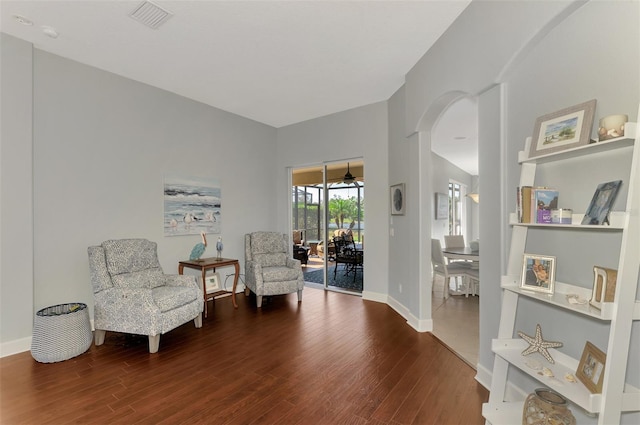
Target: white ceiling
455,135
276,62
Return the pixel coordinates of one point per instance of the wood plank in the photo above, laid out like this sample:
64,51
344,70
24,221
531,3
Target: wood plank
332,359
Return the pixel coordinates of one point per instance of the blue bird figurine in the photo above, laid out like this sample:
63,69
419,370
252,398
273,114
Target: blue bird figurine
199,249
219,247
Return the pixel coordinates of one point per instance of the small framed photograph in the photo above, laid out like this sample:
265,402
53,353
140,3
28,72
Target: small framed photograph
538,273
564,129
600,205
604,286
397,199
212,283
591,368
442,206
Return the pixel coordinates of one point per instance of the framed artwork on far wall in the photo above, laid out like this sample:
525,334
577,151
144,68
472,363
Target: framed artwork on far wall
564,129
442,206
398,199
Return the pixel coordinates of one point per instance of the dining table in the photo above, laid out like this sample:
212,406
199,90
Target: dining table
465,253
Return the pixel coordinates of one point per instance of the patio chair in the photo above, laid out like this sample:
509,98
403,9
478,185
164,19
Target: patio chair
347,254
133,295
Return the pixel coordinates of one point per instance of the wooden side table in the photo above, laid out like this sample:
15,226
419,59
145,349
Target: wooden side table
213,263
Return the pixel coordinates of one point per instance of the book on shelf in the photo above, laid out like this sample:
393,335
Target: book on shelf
534,204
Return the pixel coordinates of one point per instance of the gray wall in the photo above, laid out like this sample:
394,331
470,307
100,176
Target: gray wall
102,145
359,132
16,182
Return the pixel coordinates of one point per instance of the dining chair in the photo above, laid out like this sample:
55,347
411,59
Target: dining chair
454,241
447,271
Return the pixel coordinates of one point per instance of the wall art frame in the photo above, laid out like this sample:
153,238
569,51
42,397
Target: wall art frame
564,129
397,199
591,368
538,273
442,206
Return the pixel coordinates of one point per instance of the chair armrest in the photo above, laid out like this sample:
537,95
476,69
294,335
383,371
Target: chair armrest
293,263
125,300
181,280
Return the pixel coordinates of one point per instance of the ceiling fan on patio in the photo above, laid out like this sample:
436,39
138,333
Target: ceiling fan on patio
348,177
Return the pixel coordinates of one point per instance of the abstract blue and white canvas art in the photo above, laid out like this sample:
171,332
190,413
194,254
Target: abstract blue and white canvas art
191,205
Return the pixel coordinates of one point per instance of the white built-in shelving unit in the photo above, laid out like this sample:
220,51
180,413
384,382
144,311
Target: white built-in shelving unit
617,396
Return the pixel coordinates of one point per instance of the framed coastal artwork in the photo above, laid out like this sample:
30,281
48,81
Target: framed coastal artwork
564,129
191,205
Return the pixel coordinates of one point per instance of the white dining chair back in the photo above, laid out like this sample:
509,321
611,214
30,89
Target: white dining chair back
454,241
447,271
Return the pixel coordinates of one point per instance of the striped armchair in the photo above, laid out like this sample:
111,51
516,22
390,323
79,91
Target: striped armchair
269,267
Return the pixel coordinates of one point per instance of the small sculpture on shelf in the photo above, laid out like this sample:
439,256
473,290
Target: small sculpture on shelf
199,249
538,344
219,248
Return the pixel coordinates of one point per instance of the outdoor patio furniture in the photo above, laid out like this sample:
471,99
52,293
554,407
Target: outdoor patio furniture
347,254
301,253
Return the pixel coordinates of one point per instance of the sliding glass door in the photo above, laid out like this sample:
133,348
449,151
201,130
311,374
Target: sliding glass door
328,203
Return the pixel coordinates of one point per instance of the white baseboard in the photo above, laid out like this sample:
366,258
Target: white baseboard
417,324
16,346
483,376
375,296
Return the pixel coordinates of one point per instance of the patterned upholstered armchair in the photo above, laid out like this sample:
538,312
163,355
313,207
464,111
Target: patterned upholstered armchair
269,268
133,295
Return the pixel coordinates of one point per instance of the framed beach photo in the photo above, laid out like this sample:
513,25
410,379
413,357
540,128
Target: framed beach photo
212,283
600,205
564,129
538,273
398,199
591,368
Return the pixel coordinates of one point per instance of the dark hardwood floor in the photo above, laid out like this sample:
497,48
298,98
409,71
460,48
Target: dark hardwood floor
334,359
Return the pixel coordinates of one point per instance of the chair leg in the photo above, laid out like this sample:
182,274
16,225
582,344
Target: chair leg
445,290
198,321
259,300
99,336
300,295
154,343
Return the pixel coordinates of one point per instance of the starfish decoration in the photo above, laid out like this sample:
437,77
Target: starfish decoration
538,344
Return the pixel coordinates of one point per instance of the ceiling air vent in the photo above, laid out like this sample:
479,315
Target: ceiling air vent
150,14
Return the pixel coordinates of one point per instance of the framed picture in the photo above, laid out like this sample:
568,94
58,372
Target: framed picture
598,211
591,368
604,286
397,199
442,206
564,129
212,283
538,273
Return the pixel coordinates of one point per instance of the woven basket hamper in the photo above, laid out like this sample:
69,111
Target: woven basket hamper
61,332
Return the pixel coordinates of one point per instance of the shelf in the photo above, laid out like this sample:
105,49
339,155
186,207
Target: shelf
617,219
559,298
511,349
618,143
503,413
